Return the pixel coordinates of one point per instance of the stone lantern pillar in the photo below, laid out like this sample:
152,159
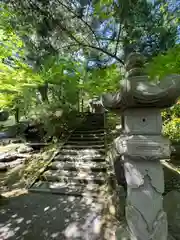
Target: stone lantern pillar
141,147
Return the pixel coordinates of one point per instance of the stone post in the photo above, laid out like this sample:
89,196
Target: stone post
141,147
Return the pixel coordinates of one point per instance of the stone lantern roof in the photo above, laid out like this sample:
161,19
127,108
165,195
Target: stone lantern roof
136,91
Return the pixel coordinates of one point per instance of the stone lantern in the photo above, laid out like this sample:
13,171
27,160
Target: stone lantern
141,146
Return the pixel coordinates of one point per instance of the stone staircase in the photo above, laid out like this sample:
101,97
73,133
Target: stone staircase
80,167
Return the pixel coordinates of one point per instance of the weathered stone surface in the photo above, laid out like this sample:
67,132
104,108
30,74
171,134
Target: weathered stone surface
144,207
122,233
25,149
143,146
8,157
172,208
143,121
13,155
6,165
5,141
170,237
138,92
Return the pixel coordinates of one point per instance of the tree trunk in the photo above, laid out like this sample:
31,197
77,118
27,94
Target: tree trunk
17,114
43,90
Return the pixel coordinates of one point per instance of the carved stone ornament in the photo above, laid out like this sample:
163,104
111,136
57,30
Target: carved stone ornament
147,147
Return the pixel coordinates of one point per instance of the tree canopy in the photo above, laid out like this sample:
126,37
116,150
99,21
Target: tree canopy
53,52
103,29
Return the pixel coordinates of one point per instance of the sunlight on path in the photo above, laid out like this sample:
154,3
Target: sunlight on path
48,216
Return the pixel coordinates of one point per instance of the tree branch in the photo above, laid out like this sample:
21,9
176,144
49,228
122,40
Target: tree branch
89,26
119,32
90,46
62,27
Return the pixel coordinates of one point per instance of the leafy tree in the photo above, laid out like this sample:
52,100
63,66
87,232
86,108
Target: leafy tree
19,81
167,63
16,77
100,31
103,28
102,80
55,34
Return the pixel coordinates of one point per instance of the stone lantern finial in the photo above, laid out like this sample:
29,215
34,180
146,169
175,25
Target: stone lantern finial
134,64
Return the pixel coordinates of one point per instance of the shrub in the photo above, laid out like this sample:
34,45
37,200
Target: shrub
171,129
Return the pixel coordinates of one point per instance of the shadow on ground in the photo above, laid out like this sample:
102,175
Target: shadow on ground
171,177
45,216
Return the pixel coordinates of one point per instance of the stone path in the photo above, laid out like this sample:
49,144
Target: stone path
51,217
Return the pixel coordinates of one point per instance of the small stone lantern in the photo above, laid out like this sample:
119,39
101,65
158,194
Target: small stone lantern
141,147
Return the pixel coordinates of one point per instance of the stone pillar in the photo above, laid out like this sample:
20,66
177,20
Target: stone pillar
141,147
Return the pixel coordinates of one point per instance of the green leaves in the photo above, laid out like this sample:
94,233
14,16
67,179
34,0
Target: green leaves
104,9
165,64
172,130
16,76
102,80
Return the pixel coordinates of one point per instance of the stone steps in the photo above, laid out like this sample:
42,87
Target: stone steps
80,152
74,176
84,158
93,142
88,134
85,144
77,165
92,190
80,167
82,138
87,147
89,131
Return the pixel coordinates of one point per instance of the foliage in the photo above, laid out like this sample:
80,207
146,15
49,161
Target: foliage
165,64
172,130
16,77
19,85
44,44
102,80
171,119
55,118
166,115
102,28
